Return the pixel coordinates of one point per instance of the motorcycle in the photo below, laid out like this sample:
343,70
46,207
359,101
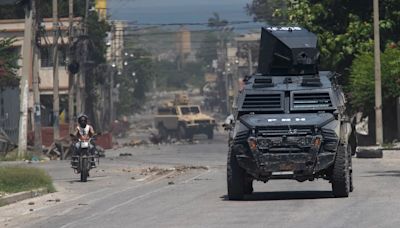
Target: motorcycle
85,157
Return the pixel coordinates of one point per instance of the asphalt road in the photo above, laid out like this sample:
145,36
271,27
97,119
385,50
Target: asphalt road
117,195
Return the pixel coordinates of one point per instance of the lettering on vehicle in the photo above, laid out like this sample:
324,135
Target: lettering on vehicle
285,28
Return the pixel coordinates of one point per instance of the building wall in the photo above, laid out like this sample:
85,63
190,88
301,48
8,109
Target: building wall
15,28
116,48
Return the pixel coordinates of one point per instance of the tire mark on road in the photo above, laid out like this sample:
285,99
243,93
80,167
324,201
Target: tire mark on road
111,209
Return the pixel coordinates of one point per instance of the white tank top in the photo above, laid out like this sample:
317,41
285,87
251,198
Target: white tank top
84,131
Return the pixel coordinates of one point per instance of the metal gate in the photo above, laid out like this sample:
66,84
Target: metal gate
9,112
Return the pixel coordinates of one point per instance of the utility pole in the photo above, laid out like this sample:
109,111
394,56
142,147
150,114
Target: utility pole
112,113
378,82
26,71
81,95
35,83
85,29
56,99
71,82
250,59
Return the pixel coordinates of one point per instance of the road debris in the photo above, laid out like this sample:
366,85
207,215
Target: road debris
136,142
125,154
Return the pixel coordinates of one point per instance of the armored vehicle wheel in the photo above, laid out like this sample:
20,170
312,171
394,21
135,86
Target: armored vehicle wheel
210,133
248,188
341,175
183,133
236,178
162,131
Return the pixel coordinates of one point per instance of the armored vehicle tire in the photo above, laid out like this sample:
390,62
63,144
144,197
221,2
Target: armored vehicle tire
341,175
248,188
183,133
236,178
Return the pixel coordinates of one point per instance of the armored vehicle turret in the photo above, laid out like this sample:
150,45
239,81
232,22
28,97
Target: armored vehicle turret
290,121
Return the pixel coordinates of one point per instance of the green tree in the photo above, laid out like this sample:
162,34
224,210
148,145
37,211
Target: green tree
362,82
208,48
220,34
170,78
8,64
97,33
344,27
273,12
134,81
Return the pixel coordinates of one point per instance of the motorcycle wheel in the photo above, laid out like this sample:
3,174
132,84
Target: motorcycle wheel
84,170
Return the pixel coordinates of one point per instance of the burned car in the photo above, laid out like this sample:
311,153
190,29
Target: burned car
290,121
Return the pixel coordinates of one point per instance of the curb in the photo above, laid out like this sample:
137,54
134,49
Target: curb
369,152
13,198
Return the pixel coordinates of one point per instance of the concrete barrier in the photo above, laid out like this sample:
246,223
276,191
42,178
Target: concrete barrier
369,152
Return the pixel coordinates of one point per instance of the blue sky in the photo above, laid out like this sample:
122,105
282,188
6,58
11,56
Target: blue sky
176,11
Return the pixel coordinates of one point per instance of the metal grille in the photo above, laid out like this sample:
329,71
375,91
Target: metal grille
241,137
9,112
285,131
263,102
312,100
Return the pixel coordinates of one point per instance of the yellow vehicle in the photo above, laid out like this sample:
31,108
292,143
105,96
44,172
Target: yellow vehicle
183,121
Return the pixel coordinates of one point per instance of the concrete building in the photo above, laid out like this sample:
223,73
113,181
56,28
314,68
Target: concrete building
115,42
247,52
15,28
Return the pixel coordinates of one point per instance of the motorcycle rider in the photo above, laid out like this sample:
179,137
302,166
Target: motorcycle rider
84,132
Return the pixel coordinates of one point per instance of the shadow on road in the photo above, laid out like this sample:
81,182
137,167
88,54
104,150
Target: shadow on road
388,173
286,195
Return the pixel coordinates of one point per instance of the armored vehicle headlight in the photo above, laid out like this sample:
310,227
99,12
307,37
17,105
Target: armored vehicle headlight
263,143
252,143
317,142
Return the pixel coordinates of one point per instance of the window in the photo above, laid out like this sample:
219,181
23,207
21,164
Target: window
190,110
167,111
46,56
194,110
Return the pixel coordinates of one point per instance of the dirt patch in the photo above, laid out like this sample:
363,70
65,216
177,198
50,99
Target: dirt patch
185,168
156,171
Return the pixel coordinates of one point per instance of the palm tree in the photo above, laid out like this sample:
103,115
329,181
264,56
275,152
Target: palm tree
216,21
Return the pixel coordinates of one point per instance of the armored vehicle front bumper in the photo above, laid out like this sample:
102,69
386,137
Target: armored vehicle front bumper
265,165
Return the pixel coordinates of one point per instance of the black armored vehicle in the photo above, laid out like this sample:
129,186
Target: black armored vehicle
290,121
